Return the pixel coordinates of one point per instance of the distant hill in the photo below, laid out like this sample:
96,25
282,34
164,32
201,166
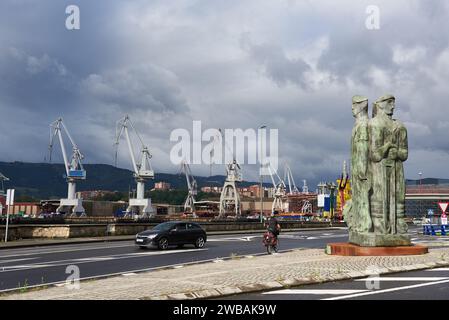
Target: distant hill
46,181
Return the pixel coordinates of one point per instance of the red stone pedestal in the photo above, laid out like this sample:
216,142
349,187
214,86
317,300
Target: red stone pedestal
349,249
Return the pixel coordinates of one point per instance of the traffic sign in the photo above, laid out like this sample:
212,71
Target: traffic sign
443,206
10,197
430,212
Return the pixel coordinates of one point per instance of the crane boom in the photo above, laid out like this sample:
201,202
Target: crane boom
74,167
143,169
288,175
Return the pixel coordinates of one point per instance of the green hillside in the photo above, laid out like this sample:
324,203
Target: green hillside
46,181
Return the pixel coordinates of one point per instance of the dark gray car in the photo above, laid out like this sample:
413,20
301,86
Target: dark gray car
172,234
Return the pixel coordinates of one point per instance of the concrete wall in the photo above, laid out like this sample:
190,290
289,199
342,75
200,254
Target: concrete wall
65,231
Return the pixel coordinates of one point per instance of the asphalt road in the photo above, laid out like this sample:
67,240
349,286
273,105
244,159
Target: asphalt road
430,284
47,265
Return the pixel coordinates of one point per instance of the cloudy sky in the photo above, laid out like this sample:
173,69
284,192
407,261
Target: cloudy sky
292,65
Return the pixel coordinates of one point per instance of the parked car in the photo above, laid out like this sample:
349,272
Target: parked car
169,234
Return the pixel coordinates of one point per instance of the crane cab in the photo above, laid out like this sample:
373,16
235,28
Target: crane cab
77,174
145,174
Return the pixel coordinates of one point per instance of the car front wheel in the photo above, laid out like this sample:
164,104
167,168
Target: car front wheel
199,243
163,243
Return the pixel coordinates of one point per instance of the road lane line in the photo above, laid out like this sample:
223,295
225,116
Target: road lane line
58,263
438,269
315,291
387,290
37,252
16,260
403,279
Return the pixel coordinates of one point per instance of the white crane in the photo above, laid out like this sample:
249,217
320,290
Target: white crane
2,190
2,180
279,191
305,187
230,195
142,170
189,204
288,176
73,167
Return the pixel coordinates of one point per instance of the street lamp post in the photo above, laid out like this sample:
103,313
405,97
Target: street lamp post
420,191
261,176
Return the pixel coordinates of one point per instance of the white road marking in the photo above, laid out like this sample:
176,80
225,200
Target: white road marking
129,274
60,284
249,238
16,260
49,251
387,290
315,291
403,279
93,259
439,269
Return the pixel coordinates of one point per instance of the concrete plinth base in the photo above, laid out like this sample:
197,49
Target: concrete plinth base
379,240
349,249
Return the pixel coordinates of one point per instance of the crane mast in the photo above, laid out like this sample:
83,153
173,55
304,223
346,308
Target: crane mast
279,191
230,196
189,204
2,189
73,167
142,170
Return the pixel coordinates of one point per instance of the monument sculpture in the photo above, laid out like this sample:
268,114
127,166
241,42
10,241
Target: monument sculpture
375,215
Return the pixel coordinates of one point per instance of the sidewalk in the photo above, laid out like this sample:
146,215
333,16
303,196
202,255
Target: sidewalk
237,275
48,242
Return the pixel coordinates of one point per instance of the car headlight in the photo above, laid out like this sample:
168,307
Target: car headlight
151,236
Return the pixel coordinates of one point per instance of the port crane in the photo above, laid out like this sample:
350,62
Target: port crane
189,204
2,190
142,170
288,176
2,180
279,191
73,167
230,196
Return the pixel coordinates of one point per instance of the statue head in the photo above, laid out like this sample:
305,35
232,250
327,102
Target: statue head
359,104
385,104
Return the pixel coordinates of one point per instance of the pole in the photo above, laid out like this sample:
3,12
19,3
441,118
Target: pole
7,224
261,176
261,193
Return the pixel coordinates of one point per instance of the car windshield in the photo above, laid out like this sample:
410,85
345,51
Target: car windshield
164,226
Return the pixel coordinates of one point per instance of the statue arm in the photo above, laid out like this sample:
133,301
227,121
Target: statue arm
403,144
378,150
362,153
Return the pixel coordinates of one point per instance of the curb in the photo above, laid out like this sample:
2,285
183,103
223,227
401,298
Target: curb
15,245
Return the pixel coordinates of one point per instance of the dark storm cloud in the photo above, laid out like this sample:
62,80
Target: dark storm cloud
291,65
278,67
144,87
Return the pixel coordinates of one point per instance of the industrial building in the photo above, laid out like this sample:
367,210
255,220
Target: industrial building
422,199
